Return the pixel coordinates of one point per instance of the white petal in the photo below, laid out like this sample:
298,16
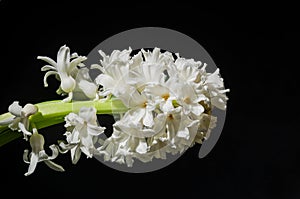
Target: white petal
15,109
167,106
86,151
29,109
142,147
25,156
74,55
54,150
159,123
66,147
73,119
97,66
148,119
215,101
183,133
48,60
215,79
105,80
63,59
75,154
88,88
197,110
33,162
136,60
95,130
75,62
157,90
54,166
74,137
23,129
135,115
42,156
48,67
87,141
47,75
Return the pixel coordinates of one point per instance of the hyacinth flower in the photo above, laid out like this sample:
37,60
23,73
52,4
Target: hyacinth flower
38,154
165,105
66,70
83,133
19,119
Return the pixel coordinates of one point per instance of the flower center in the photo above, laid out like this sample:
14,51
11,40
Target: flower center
170,117
187,100
144,105
165,96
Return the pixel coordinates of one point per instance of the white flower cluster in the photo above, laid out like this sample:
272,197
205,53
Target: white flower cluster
169,99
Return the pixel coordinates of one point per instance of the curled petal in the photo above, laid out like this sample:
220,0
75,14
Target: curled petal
15,109
48,60
29,109
73,119
43,156
75,62
25,156
54,166
74,55
48,67
97,66
47,75
33,162
66,147
55,152
23,129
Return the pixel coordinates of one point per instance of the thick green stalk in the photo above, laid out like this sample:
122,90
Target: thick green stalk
53,112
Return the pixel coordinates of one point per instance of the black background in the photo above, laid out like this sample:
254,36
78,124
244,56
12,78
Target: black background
256,48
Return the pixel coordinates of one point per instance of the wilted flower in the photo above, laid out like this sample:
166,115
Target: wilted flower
38,154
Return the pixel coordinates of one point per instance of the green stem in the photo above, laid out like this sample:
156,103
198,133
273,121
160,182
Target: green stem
53,112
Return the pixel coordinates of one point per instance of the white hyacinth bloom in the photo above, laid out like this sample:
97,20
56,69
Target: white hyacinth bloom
115,71
38,154
177,129
189,99
213,85
151,70
85,131
122,147
140,107
186,70
20,117
162,94
64,69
